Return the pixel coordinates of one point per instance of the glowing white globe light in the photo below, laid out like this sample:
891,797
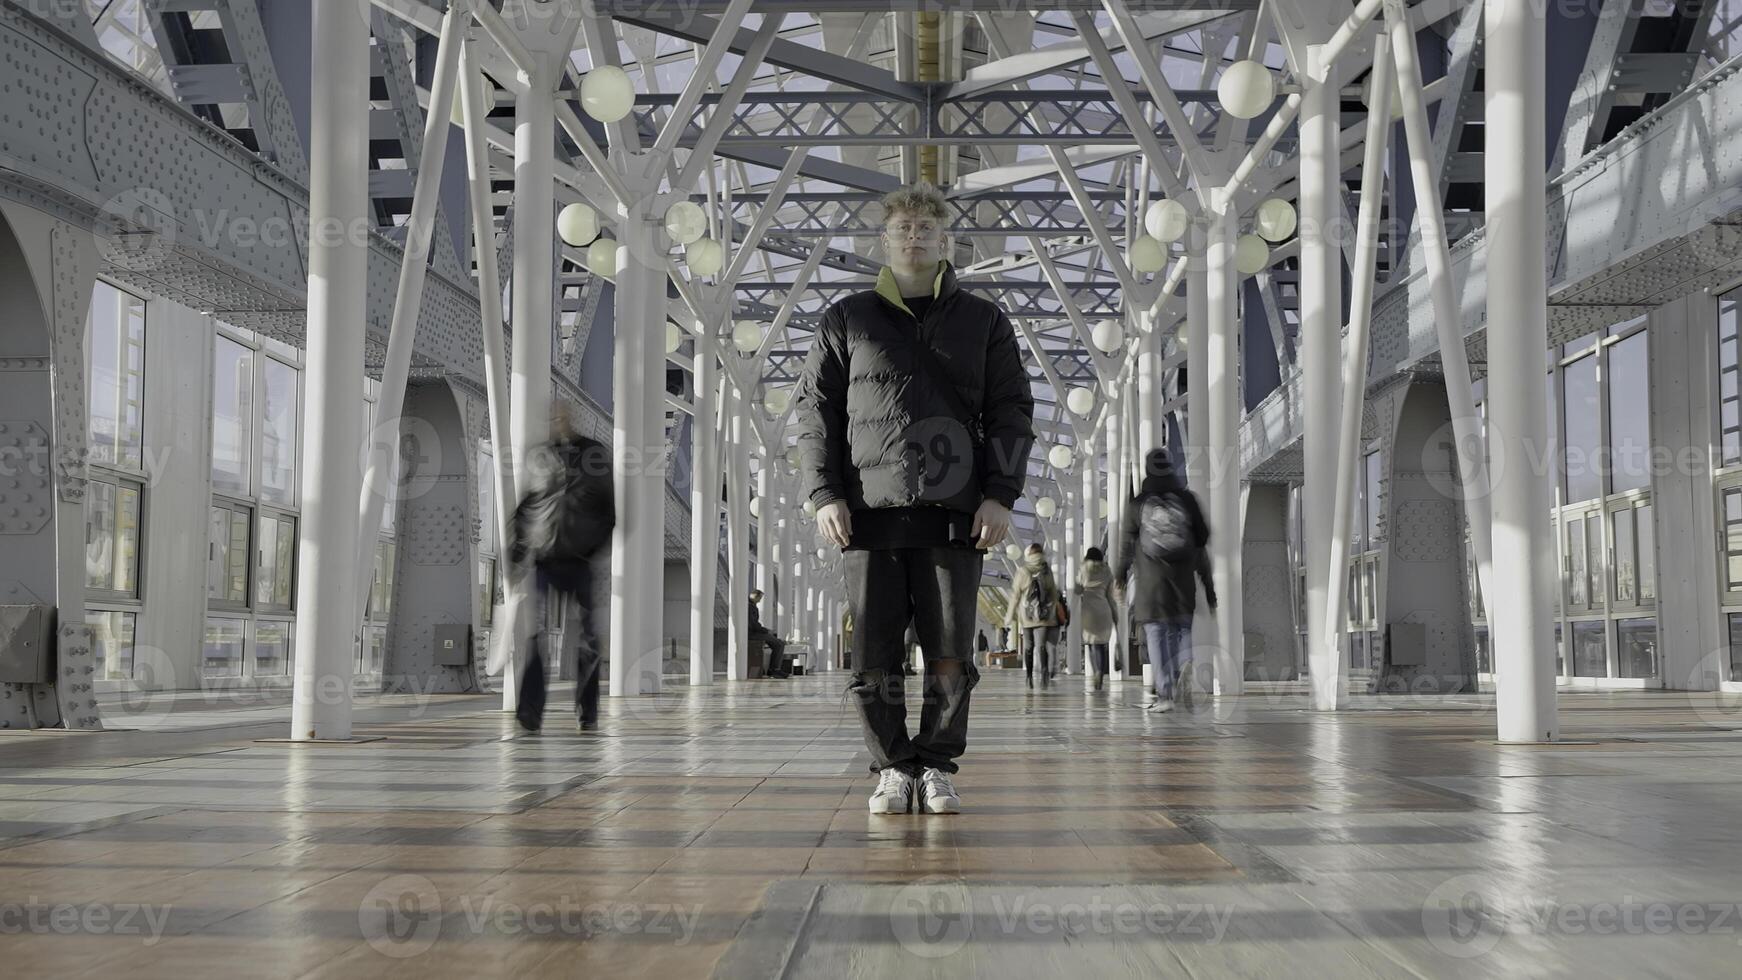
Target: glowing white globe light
755,506
705,256
1251,254
810,509
1246,89
1080,400
607,94
602,257
822,554
458,117
686,222
1108,336
577,224
1167,220
1060,457
1146,255
1275,220
747,336
1013,551
775,400
1046,507
673,337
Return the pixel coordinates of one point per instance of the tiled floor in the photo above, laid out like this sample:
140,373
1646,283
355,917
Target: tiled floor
724,832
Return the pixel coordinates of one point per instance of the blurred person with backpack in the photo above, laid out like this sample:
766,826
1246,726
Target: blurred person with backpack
1162,553
564,521
1094,591
1034,607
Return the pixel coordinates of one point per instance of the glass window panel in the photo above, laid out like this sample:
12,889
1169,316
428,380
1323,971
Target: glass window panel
486,504
376,654
1729,367
1370,593
1647,552
1594,560
1484,656
232,415
1590,656
1374,474
486,574
217,551
236,588
264,577
381,592
222,653
284,560
100,534
1735,647
1629,393
1623,575
1560,656
112,638
1636,647
278,434
1575,563
1581,425
271,649
116,344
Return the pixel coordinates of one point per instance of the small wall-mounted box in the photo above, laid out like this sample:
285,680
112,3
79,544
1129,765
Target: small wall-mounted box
453,644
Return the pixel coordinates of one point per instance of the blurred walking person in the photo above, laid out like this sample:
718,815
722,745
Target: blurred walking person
1162,552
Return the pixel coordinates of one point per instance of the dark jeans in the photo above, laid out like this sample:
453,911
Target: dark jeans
1170,647
573,582
1037,644
936,590
773,648
1097,657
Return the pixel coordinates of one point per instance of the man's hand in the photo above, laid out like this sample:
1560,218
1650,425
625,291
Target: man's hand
835,522
991,524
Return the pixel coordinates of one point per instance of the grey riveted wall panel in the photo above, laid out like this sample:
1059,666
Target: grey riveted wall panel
433,583
1421,576
1269,600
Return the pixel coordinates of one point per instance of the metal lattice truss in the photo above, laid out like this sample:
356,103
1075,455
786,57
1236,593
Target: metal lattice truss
1052,132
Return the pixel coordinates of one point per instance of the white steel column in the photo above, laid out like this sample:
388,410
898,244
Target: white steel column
1224,444
1519,609
764,524
1321,322
791,581
1116,502
1193,337
1330,667
1149,388
737,538
638,541
704,518
534,266
333,410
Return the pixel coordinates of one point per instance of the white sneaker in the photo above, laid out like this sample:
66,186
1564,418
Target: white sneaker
1165,704
937,794
894,793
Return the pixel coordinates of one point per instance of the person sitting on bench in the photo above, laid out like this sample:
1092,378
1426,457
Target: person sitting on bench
775,645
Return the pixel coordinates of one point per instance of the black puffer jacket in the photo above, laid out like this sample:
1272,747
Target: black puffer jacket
1164,591
874,427
569,513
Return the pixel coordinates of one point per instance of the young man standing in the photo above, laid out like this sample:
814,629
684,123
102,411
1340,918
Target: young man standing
915,421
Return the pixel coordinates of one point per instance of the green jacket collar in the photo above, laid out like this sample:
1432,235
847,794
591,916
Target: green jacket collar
943,284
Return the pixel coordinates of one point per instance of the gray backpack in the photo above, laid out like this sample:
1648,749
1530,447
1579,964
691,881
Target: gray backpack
1164,529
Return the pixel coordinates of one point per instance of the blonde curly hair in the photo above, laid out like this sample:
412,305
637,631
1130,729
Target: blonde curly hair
921,200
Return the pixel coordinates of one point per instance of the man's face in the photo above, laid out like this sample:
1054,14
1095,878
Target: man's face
915,243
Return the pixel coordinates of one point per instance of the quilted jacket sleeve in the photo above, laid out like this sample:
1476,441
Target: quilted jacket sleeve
1008,415
820,414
